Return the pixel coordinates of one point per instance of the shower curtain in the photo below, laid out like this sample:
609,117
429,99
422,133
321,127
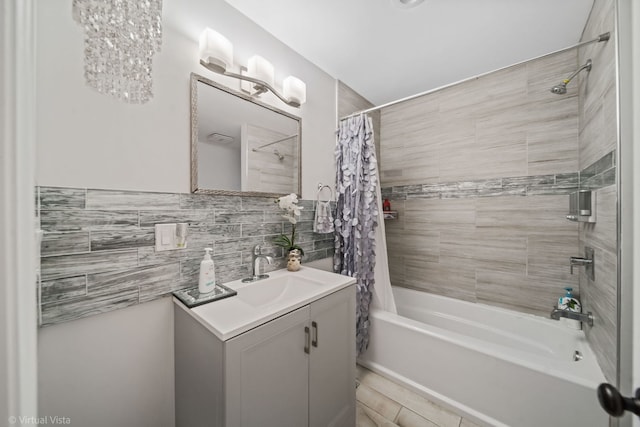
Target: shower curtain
358,215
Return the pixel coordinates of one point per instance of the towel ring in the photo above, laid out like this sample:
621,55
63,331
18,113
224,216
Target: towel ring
322,187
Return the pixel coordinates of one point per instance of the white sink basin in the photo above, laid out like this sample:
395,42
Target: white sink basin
263,300
274,290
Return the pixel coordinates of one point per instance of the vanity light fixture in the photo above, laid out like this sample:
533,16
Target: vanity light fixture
216,54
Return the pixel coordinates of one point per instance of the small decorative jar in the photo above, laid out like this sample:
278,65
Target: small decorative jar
294,259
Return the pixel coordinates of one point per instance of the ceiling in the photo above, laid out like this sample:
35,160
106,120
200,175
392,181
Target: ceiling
386,52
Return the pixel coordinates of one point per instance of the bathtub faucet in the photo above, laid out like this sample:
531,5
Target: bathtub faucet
577,261
557,313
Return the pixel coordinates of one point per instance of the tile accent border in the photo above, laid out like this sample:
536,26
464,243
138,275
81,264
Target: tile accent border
601,173
98,249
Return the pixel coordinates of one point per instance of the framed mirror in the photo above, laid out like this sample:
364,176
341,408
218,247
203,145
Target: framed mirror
241,146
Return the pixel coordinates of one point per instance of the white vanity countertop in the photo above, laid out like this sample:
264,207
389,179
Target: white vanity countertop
283,292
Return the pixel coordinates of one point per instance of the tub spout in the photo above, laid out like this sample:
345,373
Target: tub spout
557,313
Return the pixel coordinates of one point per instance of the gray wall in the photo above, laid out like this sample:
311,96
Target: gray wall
88,140
99,371
598,136
480,173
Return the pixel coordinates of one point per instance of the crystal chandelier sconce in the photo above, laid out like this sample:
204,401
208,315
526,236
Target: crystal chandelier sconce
216,54
121,37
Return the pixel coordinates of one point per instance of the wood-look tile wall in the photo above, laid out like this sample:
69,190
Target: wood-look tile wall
98,250
480,173
273,168
500,241
598,136
504,124
510,251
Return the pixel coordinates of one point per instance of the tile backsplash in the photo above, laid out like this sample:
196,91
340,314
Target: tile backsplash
98,249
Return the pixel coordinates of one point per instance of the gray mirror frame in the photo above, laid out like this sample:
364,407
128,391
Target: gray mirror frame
195,78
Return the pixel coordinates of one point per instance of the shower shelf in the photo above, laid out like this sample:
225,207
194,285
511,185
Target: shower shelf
390,214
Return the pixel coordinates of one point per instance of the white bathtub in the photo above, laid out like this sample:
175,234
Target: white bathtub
498,367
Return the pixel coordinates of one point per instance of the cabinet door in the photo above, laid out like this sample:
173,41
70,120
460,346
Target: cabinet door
332,390
267,374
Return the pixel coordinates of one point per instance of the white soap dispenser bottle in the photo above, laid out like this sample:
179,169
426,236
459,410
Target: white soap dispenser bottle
207,273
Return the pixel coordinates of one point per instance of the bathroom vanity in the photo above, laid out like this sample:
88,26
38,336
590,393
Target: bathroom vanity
279,353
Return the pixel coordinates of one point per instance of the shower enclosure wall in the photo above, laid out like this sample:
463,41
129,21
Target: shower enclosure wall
480,173
598,126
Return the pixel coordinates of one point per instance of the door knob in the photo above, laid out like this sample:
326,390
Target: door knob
614,403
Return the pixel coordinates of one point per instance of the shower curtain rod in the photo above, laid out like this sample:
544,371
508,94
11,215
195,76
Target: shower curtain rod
275,142
601,38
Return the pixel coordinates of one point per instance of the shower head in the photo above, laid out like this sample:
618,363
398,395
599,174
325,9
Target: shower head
280,156
561,89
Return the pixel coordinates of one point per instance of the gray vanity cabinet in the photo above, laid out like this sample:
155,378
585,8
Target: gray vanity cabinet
296,370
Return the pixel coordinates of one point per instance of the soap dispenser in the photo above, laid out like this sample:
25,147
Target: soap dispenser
207,282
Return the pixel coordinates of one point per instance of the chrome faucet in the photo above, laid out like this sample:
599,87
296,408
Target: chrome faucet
557,313
255,264
588,262
574,260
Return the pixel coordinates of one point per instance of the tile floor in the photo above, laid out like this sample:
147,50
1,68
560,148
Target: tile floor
383,403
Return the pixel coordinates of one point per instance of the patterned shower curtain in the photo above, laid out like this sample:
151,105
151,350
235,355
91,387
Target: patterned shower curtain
357,214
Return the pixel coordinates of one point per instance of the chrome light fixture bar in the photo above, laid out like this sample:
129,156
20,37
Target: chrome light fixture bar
216,54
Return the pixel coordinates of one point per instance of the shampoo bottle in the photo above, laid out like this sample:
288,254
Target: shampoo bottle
568,302
207,273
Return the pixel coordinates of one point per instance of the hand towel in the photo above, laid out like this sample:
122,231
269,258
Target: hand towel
323,222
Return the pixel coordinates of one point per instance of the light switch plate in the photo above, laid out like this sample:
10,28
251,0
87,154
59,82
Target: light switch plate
165,237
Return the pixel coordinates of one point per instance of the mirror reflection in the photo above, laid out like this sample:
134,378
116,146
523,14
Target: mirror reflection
240,145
